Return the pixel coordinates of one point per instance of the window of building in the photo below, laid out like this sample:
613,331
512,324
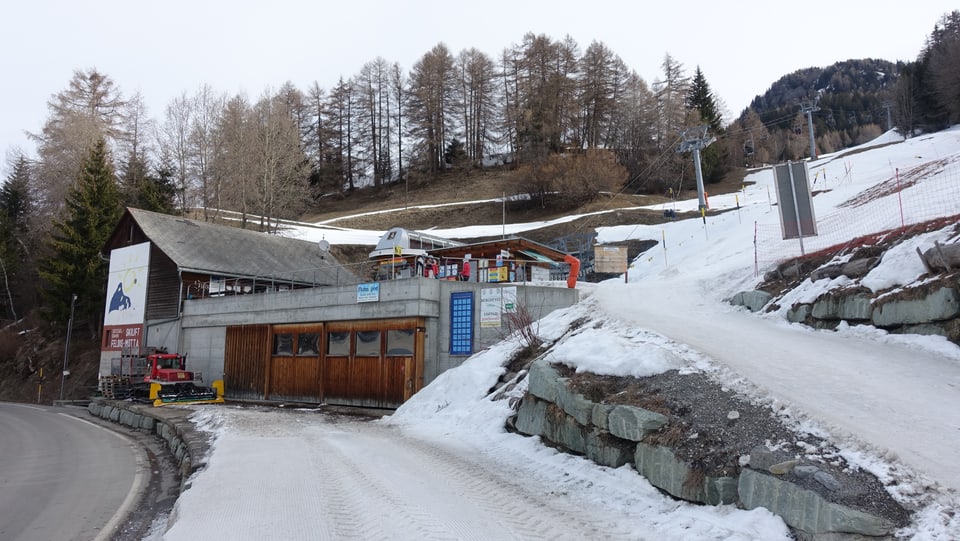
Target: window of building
338,343
308,344
400,342
283,344
368,344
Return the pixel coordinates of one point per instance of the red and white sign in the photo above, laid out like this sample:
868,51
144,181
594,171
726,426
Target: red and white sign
122,338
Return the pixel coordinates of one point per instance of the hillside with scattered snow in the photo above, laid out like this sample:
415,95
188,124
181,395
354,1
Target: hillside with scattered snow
890,403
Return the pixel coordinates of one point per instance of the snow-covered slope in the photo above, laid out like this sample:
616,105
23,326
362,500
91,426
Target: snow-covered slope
892,403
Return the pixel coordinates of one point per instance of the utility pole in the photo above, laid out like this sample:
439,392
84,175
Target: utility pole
6,283
66,349
696,139
888,106
810,107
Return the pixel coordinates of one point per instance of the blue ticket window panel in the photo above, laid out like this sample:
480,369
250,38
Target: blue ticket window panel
461,323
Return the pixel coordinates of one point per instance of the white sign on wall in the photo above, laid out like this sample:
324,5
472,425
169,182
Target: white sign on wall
539,274
491,303
127,285
369,292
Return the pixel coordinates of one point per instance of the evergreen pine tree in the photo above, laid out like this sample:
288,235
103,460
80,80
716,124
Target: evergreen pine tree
74,265
157,191
701,99
133,175
14,213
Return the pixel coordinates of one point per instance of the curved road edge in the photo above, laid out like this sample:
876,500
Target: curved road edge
136,488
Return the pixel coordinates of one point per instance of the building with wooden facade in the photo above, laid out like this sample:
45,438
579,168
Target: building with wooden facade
279,319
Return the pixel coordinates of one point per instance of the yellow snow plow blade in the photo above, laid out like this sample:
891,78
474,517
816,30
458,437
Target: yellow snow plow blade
163,395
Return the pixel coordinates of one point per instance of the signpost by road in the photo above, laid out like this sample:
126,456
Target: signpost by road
795,201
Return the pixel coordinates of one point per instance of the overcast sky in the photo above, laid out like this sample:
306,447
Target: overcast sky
163,49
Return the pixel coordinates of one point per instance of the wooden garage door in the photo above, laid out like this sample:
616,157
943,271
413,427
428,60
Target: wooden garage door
372,363
244,363
294,369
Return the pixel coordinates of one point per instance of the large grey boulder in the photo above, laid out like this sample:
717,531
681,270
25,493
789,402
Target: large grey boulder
942,257
940,304
659,465
633,423
573,403
600,415
829,272
752,300
848,307
859,267
532,416
608,450
540,418
799,313
804,509
544,380
566,431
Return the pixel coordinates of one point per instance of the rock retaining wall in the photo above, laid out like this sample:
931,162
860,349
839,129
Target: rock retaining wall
613,435
186,444
930,308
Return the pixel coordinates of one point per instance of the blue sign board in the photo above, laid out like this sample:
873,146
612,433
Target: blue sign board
368,292
461,323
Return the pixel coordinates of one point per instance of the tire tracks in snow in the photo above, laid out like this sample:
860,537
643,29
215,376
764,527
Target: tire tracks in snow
432,494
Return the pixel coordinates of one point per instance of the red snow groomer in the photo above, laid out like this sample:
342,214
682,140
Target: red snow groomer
162,378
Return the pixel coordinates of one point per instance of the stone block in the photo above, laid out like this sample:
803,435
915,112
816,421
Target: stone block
148,423
940,304
762,458
804,509
129,418
783,468
600,414
564,430
829,272
532,415
849,307
574,404
859,267
659,465
753,300
608,450
633,423
543,380
827,480
798,313
926,329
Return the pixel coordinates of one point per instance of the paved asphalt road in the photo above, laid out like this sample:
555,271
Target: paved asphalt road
63,478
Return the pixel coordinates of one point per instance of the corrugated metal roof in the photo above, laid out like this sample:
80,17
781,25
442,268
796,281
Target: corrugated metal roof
229,251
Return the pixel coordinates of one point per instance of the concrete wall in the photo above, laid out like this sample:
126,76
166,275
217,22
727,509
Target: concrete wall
204,321
539,300
205,348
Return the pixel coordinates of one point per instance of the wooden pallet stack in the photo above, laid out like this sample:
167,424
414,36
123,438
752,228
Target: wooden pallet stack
115,387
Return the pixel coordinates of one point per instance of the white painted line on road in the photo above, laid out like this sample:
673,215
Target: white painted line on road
133,493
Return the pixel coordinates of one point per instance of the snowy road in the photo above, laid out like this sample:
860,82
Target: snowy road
337,478
890,396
